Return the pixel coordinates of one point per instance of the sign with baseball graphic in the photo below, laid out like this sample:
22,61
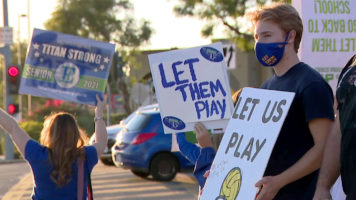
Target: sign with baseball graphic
247,144
191,85
66,67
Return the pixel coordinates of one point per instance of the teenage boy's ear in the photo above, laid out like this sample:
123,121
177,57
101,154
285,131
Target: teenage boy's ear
291,37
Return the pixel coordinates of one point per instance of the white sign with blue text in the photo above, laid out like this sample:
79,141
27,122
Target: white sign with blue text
66,67
247,144
192,85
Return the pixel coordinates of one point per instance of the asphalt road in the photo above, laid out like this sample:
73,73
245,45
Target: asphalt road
109,183
10,174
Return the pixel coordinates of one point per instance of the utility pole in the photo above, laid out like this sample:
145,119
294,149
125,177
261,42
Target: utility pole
108,104
9,146
29,99
19,63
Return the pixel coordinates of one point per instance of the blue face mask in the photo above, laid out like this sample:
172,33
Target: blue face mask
270,54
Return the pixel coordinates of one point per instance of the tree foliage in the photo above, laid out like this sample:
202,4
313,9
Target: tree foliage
105,20
220,12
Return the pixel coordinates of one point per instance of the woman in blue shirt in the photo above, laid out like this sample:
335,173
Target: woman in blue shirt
55,160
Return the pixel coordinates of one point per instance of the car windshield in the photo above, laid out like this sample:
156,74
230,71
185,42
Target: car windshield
138,121
127,119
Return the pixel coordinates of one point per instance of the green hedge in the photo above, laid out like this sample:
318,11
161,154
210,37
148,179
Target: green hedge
117,117
83,114
33,128
33,123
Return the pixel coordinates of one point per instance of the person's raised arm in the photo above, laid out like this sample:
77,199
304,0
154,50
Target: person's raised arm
18,136
189,150
203,136
207,153
330,168
101,136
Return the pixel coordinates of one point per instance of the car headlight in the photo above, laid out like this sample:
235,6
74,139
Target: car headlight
119,138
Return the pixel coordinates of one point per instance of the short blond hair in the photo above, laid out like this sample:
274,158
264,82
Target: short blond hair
284,15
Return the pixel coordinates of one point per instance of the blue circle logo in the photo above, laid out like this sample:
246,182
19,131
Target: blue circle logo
173,123
211,54
67,75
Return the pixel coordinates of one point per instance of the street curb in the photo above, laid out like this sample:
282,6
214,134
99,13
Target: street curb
11,161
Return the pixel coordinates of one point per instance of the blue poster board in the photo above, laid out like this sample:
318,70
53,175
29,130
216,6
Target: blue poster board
66,67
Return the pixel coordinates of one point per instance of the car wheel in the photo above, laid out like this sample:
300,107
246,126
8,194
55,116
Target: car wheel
140,173
107,161
164,167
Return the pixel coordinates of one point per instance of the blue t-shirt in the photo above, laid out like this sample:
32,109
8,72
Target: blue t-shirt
189,150
204,161
44,187
313,99
202,157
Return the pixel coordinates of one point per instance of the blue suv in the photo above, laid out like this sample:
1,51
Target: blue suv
142,147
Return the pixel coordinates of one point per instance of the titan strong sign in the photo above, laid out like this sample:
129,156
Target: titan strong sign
66,67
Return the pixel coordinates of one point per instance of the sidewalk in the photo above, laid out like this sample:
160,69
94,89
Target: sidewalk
12,173
21,190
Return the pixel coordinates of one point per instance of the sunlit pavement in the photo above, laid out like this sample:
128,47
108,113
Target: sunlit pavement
111,183
22,190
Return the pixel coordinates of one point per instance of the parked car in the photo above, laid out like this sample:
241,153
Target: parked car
106,157
142,147
112,131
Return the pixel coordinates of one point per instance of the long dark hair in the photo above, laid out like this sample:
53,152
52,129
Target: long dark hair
65,142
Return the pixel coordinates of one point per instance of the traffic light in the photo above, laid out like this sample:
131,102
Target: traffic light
13,72
13,109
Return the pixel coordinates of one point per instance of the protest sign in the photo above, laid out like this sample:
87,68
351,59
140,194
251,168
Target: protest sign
329,37
191,85
329,40
66,67
247,144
